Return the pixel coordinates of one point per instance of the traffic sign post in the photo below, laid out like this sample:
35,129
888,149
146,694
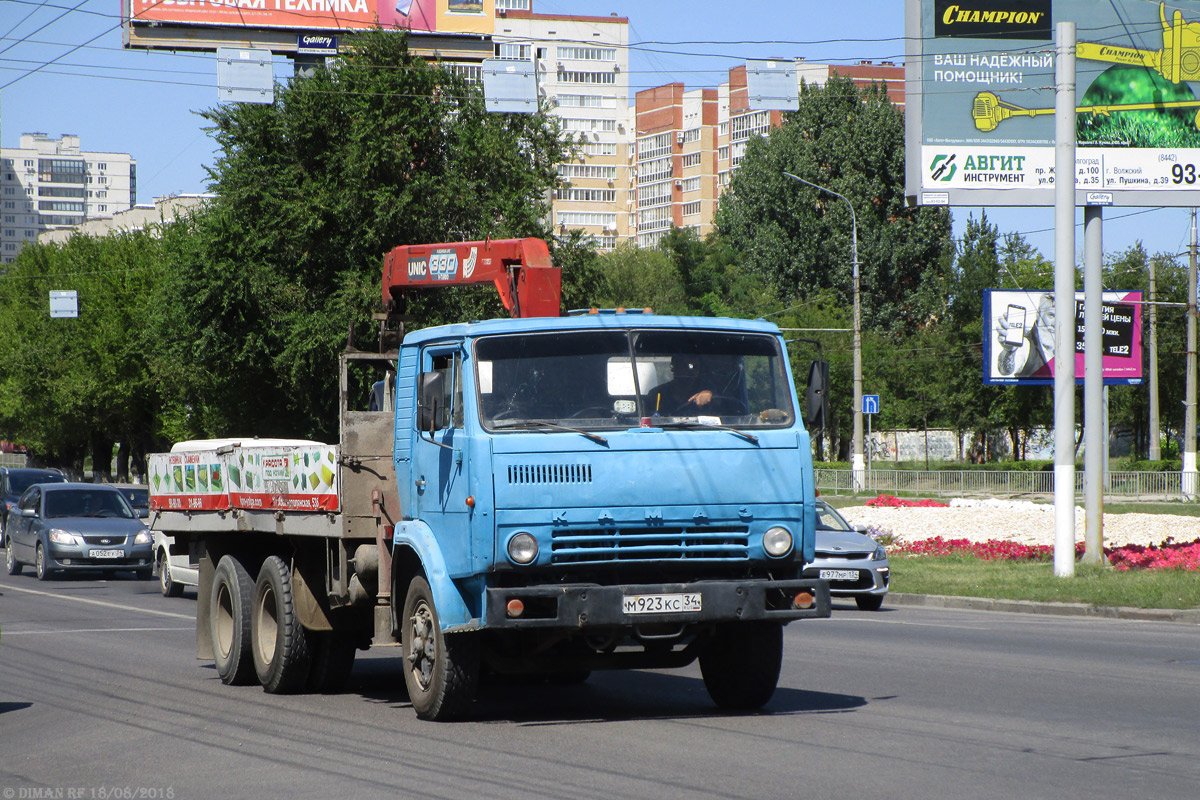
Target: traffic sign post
870,405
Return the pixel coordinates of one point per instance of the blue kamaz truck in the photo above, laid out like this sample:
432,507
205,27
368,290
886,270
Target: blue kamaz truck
544,495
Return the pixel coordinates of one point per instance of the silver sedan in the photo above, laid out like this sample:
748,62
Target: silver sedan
854,564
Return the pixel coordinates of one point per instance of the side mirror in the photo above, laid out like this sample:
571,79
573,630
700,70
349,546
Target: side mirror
816,396
430,390
143,513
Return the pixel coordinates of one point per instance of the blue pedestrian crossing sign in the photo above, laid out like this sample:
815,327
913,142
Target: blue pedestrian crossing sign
870,404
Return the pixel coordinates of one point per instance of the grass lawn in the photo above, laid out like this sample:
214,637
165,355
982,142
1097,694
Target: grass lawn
968,576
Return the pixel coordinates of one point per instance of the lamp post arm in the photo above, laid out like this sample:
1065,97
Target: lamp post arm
853,219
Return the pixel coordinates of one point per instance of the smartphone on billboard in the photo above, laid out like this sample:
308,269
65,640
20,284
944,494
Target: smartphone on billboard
1015,319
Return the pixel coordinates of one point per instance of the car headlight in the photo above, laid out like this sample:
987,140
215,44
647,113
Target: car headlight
777,541
522,548
59,536
880,554
143,537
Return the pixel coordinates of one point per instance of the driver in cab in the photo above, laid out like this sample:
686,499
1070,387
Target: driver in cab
685,390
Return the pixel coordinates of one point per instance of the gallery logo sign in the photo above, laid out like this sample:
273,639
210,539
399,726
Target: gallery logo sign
993,19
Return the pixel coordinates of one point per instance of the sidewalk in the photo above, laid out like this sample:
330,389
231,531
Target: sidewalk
1189,616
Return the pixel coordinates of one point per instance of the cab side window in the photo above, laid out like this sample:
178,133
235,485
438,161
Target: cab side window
450,405
31,500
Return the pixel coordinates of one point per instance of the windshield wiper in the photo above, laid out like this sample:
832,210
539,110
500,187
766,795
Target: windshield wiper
689,425
542,423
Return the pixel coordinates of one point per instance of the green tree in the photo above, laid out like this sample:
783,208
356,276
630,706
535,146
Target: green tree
312,190
798,239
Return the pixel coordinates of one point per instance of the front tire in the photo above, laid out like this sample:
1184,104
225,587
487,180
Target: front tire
741,664
40,567
10,559
229,626
278,640
869,602
168,587
441,672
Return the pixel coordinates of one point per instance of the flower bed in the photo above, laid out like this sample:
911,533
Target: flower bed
889,501
1168,555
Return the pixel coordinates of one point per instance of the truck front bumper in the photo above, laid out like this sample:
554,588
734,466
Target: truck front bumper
580,606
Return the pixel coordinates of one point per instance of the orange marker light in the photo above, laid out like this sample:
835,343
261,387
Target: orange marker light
802,600
470,501
515,608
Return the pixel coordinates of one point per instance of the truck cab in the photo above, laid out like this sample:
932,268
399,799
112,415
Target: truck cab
601,490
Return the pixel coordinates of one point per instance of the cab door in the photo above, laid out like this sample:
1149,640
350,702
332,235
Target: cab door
21,524
440,467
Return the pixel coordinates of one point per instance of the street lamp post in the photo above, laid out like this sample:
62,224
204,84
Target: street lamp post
857,462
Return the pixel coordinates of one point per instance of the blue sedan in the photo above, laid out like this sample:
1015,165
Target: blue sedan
67,527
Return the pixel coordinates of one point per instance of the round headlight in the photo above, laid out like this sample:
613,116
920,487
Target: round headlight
522,548
777,541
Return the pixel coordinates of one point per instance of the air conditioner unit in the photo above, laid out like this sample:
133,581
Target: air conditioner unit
678,184
679,138
621,127
610,181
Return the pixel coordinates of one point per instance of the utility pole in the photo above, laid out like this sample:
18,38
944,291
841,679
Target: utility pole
1064,300
1155,448
1095,419
1189,414
857,463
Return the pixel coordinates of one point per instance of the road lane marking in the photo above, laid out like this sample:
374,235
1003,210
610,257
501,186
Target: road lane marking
99,603
92,630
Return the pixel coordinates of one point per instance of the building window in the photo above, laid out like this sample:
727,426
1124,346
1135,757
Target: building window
599,149
690,184
691,135
653,146
690,209
586,101
722,153
61,170
587,171
588,53
570,76
506,5
573,219
588,195
747,125
512,51
589,125
656,194
691,159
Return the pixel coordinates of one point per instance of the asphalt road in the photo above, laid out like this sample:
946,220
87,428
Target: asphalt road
100,697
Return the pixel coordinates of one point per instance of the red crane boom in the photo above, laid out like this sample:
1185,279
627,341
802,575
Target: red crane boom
528,283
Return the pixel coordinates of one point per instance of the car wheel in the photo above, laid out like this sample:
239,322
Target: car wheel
10,560
332,661
440,671
40,567
229,621
869,602
167,586
279,642
741,662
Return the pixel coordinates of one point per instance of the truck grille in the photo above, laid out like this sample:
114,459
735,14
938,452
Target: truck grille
602,545
525,474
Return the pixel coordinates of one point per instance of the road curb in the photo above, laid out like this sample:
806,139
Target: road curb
1190,616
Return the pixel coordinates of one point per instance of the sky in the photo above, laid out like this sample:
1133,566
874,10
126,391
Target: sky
63,69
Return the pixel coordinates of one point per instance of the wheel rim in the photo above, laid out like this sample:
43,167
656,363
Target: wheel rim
266,626
222,622
8,555
41,561
164,572
422,649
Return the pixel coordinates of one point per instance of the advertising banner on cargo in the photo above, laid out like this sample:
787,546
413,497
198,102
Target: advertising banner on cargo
446,16
188,481
285,479
1019,337
980,101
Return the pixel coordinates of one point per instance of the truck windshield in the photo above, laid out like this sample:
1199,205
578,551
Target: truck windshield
615,379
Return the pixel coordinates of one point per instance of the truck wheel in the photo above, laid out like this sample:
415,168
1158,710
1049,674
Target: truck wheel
741,664
441,672
229,627
332,660
10,559
167,586
278,640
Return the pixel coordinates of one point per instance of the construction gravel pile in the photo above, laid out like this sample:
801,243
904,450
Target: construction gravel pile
1019,521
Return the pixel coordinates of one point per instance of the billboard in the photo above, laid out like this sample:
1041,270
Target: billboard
1019,338
980,101
447,16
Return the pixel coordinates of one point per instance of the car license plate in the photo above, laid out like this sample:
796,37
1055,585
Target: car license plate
660,603
106,553
838,575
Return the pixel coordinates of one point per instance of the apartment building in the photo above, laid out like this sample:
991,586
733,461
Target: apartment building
583,79
690,141
48,184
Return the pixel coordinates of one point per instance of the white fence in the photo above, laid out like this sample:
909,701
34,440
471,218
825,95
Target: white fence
1131,485
12,459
